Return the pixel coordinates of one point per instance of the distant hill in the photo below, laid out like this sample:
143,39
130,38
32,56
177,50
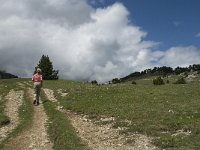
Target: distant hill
158,71
5,75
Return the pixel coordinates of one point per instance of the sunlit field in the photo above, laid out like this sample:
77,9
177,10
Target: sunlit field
170,113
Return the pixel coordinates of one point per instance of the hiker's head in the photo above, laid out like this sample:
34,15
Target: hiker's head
38,70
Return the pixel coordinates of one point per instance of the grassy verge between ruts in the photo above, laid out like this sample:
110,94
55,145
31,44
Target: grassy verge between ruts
25,117
60,130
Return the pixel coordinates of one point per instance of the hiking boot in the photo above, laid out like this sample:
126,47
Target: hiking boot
34,102
38,103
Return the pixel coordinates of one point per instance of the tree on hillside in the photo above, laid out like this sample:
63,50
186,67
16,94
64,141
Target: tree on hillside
179,70
194,67
116,80
47,68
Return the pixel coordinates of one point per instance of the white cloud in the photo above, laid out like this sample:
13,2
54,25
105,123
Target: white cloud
198,34
82,42
181,56
177,23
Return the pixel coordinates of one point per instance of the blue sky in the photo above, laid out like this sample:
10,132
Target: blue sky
170,22
98,39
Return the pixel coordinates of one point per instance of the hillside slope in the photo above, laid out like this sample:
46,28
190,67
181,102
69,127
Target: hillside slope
116,116
4,75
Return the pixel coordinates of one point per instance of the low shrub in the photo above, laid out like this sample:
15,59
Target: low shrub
167,81
180,81
94,82
158,81
133,82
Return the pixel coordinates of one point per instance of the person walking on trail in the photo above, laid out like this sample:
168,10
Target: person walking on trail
37,84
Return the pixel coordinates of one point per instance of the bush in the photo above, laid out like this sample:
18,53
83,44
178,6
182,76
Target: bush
167,81
180,81
158,81
94,82
133,82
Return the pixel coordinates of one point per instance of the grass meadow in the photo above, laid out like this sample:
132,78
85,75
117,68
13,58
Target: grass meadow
169,113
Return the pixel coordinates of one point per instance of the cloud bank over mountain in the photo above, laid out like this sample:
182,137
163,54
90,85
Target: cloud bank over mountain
84,43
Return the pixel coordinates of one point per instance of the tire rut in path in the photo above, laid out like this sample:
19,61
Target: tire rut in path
102,137
13,102
35,137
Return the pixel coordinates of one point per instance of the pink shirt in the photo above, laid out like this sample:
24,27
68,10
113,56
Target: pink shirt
37,78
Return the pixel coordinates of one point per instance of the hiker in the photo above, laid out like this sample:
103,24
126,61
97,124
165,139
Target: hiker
37,84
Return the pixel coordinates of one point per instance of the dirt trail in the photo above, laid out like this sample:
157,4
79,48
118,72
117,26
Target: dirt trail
13,102
103,137
28,83
35,137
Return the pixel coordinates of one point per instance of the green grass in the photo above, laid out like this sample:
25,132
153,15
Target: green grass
156,111
60,129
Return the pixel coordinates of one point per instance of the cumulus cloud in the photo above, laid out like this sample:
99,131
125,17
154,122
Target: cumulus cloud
180,56
84,43
198,34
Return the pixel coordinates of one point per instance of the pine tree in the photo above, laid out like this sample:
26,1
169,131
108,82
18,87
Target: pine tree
47,68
